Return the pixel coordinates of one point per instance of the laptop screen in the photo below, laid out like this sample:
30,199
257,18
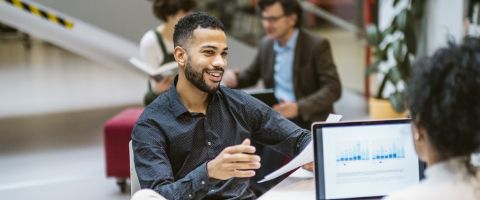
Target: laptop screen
364,159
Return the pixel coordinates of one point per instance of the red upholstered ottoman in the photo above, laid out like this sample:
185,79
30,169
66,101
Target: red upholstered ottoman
116,135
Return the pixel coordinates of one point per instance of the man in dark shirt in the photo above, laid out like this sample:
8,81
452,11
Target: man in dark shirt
193,141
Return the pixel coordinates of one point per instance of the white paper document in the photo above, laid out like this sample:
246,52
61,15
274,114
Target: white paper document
302,173
306,156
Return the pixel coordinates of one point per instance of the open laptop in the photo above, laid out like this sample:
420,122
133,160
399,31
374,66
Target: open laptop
364,159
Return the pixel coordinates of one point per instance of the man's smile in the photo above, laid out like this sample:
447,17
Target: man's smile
215,75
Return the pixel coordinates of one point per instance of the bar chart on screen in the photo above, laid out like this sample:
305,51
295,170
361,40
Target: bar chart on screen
388,150
377,151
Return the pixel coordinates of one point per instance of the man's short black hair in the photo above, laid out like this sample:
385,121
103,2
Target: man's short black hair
164,8
289,7
185,26
444,98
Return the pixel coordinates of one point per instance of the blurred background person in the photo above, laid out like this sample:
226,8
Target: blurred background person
444,101
156,46
298,65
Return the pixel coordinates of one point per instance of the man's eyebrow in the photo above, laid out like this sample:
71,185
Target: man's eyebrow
209,47
212,47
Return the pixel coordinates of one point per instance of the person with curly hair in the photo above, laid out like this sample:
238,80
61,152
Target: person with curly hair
156,46
444,102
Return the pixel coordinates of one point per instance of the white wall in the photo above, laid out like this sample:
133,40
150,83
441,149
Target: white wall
444,20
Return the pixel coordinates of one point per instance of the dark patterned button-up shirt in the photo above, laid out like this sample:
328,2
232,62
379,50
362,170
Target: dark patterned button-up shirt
172,146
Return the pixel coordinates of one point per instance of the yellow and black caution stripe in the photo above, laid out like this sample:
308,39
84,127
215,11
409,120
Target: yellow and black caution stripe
41,13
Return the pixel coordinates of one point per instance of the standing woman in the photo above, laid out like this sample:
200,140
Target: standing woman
444,101
156,46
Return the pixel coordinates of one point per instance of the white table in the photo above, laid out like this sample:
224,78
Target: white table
293,187
297,187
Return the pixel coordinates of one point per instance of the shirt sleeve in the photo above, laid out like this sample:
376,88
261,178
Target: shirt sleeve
270,128
249,76
329,85
150,51
154,169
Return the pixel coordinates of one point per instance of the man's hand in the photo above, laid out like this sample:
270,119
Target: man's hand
309,166
287,109
234,161
230,78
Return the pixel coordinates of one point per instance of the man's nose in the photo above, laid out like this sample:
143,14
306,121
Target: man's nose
219,61
266,24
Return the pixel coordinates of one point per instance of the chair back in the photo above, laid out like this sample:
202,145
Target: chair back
134,183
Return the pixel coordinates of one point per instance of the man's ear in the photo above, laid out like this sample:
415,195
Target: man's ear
180,55
422,143
419,133
293,19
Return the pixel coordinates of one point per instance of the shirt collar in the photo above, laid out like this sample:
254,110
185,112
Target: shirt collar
447,169
176,105
290,43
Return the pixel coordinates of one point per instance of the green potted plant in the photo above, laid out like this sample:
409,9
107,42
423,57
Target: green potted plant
394,49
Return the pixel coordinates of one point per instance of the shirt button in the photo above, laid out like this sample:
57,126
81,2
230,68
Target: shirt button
190,196
209,143
203,182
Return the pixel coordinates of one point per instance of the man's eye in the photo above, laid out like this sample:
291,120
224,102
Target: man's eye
224,54
208,52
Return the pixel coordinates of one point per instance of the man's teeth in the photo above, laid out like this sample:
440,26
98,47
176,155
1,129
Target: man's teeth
216,74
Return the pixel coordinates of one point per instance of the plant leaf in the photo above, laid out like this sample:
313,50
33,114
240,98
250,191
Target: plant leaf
387,31
395,75
373,68
382,55
404,69
373,35
402,20
399,51
397,101
382,86
395,2
410,38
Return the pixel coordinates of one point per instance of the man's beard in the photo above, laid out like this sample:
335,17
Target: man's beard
196,78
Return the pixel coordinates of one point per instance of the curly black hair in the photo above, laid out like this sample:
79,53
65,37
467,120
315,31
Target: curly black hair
164,8
289,7
185,26
444,98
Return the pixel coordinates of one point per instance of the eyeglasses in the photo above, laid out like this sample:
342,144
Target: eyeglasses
272,19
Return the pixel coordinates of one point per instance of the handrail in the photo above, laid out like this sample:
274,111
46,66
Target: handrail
312,8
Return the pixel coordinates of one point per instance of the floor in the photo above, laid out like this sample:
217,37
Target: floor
56,156
349,55
52,108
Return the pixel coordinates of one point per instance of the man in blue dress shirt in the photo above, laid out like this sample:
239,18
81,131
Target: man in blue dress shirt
193,141
297,64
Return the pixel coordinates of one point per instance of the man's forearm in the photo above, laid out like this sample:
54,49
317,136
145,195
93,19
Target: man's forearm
194,185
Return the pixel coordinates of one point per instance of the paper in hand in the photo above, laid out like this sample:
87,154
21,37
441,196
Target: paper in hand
304,157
